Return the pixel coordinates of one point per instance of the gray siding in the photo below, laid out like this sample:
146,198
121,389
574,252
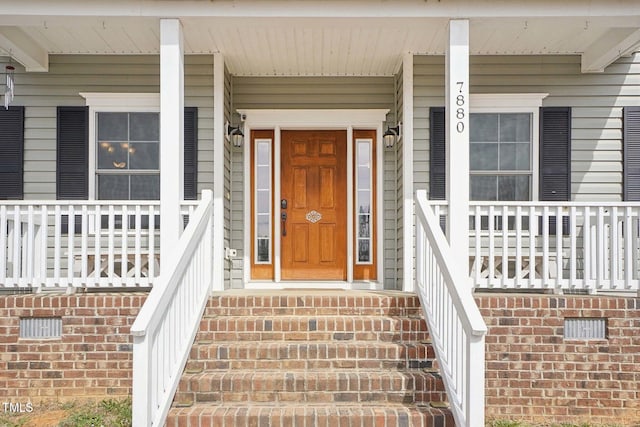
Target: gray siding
314,93
68,75
596,101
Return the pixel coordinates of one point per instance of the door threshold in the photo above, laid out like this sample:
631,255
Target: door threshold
312,284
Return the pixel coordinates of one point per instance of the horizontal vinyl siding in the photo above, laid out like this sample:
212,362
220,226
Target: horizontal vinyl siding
69,75
312,92
596,101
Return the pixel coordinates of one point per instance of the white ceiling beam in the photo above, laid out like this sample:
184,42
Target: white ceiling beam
616,43
24,49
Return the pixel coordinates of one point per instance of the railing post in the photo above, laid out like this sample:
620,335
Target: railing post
476,377
141,394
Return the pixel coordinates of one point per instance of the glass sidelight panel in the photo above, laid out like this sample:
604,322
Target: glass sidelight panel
364,197
263,197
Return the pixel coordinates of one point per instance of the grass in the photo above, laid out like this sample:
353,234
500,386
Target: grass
106,413
510,423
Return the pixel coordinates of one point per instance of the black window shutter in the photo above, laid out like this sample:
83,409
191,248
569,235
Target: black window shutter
11,153
437,155
190,153
555,158
72,153
631,155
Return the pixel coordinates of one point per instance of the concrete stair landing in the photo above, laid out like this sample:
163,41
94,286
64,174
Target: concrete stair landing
311,358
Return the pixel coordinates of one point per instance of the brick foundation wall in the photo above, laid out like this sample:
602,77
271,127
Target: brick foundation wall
534,374
91,360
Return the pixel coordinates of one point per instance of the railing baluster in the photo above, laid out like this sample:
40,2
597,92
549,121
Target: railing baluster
505,246
587,250
71,231
3,244
518,260
545,246
492,254
84,245
613,248
17,252
124,256
42,236
600,257
478,262
573,256
111,243
97,256
629,231
138,243
30,247
533,228
559,236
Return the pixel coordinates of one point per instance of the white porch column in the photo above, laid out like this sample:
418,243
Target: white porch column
218,172
408,235
457,137
171,133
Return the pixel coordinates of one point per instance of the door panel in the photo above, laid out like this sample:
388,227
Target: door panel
314,182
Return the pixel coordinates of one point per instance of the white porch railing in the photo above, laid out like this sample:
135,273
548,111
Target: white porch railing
80,243
517,245
455,324
168,321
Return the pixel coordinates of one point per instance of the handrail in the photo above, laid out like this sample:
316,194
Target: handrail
168,321
456,326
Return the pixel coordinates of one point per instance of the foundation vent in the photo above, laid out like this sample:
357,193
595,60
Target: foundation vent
585,328
41,327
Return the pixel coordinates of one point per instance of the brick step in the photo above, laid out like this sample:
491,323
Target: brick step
311,311
310,355
312,387
207,415
312,323
312,336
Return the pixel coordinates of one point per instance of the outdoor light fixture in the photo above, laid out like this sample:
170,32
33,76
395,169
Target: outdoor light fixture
234,134
390,136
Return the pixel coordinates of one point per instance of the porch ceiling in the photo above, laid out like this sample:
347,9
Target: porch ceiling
305,38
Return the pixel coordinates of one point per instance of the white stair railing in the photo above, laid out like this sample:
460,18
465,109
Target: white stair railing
167,324
455,324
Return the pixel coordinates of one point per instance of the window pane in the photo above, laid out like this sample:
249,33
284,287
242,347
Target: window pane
514,187
364,178
263,250
144,127
508,156
145,187
113,187
263,180
113,155
483,127
264,156
363,154
144,155
483,156
113,127
483,187
364,253
364,226
515,127
364,201
263,226
262,202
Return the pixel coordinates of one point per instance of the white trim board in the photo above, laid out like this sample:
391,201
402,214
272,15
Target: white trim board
337,119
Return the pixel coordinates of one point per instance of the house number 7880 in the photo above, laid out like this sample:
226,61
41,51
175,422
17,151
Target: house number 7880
460,112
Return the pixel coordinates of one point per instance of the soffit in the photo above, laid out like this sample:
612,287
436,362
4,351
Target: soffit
275,45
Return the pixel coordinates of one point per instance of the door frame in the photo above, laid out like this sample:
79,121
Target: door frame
335,119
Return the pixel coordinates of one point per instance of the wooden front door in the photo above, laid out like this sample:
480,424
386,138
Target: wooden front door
314,186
